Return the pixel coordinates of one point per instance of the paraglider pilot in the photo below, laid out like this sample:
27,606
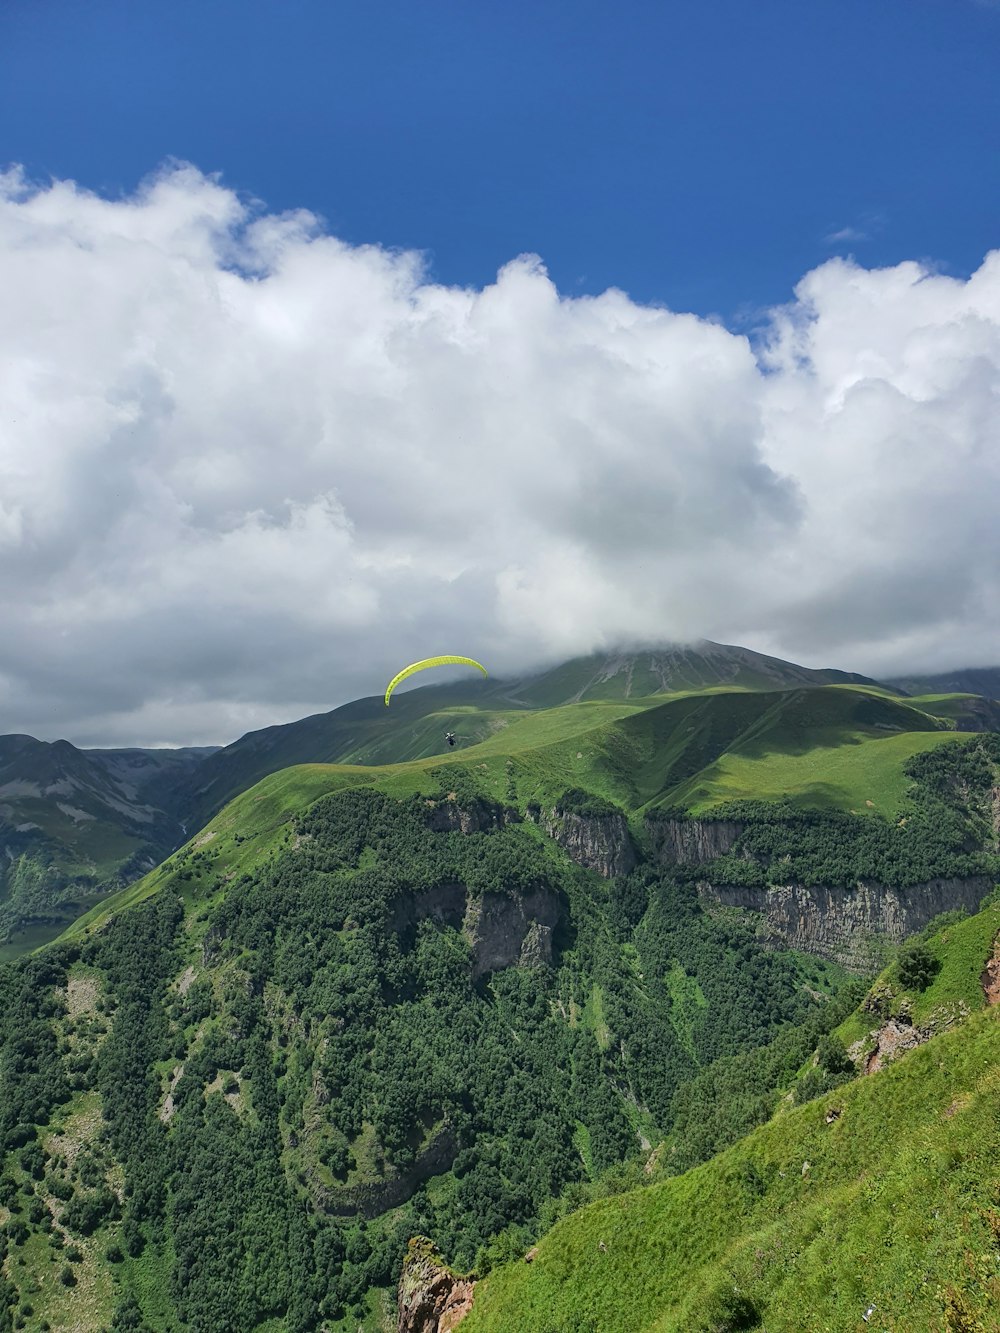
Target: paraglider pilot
450,738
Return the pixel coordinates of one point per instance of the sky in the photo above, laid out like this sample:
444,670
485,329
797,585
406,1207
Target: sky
336,335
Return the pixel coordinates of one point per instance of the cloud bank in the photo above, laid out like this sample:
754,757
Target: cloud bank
247,470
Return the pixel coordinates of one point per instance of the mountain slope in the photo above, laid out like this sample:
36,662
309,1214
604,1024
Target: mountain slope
367,1003
71,826
365,731
879,1197
983,681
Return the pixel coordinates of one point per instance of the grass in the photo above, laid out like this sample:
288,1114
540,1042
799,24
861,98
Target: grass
812,1222
824,746
857,773
686,1000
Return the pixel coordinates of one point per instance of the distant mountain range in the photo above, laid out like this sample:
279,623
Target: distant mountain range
75,824
975,680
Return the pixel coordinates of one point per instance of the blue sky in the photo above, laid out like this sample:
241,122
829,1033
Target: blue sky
700,153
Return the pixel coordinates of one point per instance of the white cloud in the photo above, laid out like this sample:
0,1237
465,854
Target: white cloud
846,234
247,469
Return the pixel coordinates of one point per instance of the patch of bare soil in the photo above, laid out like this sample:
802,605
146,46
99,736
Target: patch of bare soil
991,975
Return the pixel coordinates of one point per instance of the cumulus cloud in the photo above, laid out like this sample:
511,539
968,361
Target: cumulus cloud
246,469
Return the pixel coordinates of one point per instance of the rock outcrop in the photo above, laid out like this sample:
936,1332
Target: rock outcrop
431,1298
842,924
503,929
596,842
691,842
889,1042
991,976
479,816
509,929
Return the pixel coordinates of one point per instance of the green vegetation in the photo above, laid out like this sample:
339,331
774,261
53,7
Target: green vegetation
370,1003
881,1193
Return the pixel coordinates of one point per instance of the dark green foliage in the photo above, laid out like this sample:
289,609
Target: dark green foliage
128,1317
946,825
67,1277
85,1212
728,1310
575,801
917,966
832,1056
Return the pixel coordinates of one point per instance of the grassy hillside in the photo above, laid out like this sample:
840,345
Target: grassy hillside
413,727
835,747
882,1193
73,823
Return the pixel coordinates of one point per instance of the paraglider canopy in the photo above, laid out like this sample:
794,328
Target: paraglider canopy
431,662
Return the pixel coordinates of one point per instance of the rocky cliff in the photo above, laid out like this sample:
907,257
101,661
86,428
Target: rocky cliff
689,842
503,929
508,929
479,816
596,842
842,924
431,1298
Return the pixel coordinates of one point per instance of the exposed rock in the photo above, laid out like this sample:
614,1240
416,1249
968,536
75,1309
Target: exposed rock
991,975
479,816
890,1041
432,1299
506,929
536,949
596,842
843,923
688,842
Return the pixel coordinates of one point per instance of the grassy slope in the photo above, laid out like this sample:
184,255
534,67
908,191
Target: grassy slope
692,749
892,1204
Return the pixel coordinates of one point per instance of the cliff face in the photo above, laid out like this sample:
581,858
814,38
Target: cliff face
839,923
688,842
504,930
476,817
431,1298
596,842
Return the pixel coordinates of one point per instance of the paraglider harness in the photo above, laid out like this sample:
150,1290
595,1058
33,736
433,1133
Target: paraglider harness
450,738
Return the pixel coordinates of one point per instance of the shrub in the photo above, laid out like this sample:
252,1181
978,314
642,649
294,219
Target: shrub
917,966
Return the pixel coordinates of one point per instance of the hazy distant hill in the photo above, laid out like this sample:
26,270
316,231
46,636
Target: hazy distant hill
74,823
971,680
623,675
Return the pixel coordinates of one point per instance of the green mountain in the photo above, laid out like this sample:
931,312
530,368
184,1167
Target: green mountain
136,805
873,1202
366,732
75,824
462,997
833,746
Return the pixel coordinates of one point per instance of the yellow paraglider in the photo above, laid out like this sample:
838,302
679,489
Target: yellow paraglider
431,662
